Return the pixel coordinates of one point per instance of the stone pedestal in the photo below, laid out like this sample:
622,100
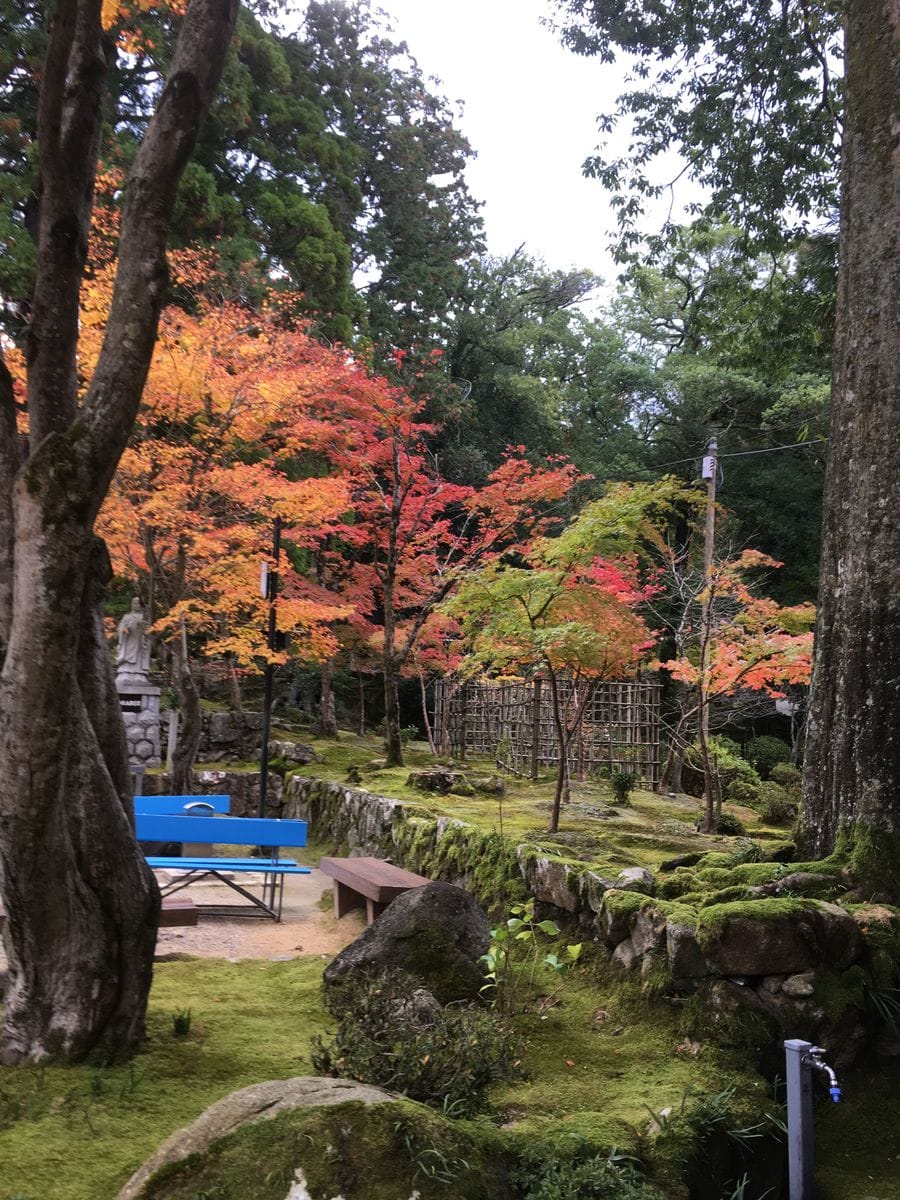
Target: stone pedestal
139,702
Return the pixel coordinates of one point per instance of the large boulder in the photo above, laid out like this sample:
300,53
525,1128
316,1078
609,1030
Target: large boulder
259,1102
295,1139
777,937
436,933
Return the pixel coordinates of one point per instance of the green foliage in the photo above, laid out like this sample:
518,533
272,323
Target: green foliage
777,806
742,791
765,752
518,948
181,1023
391,1034
731,766
621,783
718,82
730,825
787,775
577,1173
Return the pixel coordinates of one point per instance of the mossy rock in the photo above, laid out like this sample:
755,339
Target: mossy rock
436,933
776,936
381,1149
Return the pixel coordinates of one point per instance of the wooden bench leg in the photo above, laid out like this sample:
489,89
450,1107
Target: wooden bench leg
346,899
373,910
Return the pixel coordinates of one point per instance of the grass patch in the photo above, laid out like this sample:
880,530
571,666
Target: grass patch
77,1133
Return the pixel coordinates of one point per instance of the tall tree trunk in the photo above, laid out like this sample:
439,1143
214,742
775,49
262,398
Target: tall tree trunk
393,746
393,743
234,685
428,730
562,766
189,706
851,793
326,722
82,904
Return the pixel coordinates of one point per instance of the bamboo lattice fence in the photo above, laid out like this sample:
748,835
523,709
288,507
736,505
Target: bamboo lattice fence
513,723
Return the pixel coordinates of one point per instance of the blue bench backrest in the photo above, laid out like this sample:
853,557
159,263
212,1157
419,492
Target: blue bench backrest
182,805
226,831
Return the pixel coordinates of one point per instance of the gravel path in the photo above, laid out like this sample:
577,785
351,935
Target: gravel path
305,928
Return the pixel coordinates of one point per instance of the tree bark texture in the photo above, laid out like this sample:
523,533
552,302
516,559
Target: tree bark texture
852,766
82,906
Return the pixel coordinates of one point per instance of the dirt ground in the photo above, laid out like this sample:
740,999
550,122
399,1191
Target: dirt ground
305,927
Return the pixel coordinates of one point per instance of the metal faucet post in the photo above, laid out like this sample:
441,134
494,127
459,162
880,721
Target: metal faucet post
802,1059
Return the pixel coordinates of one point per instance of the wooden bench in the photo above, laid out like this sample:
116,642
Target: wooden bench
367,882
176,911
227,831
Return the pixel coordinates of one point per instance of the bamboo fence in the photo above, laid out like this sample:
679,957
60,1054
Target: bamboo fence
513,723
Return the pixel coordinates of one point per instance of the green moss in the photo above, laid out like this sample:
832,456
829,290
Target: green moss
77,1133
839,992
872,856
774,908
361,1152
858,1140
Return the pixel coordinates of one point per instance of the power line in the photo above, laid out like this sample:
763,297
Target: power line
743,453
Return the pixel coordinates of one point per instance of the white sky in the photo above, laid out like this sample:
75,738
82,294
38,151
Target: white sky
530,115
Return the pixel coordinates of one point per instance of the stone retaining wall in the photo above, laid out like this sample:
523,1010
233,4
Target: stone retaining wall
797,964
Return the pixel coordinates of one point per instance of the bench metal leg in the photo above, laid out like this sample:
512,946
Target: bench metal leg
346,899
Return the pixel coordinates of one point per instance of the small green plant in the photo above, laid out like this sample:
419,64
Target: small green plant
742,791
408,734
621,783
429,1161
787,775
516,952
181,1023
555,1174
393,1034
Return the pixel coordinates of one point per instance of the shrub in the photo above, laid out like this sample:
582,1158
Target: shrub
787,775
394,1034
776,805
740,791
551,1175
621,783
764,752
731,825
732,767
408,734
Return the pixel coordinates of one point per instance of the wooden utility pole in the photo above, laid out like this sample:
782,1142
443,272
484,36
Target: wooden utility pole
709,473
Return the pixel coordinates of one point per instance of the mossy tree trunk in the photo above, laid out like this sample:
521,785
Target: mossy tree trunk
82,906
852,766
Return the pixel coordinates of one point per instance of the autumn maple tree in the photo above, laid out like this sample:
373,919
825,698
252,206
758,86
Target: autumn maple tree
567,608
413,537
748,643
223,443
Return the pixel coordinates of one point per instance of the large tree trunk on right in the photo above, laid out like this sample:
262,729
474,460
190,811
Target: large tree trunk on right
852,772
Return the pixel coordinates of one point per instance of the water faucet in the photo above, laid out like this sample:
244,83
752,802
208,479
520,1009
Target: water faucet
813,1059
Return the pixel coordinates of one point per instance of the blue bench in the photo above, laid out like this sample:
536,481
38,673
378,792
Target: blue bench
227,831
182,805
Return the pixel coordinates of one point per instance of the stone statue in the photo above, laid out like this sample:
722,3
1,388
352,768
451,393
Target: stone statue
133,654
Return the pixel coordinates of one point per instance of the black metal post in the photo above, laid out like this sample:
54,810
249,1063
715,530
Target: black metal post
272,591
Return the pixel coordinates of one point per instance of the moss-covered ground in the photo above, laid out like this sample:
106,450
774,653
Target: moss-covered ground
599,1059
593,827
596,1063
78,1133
